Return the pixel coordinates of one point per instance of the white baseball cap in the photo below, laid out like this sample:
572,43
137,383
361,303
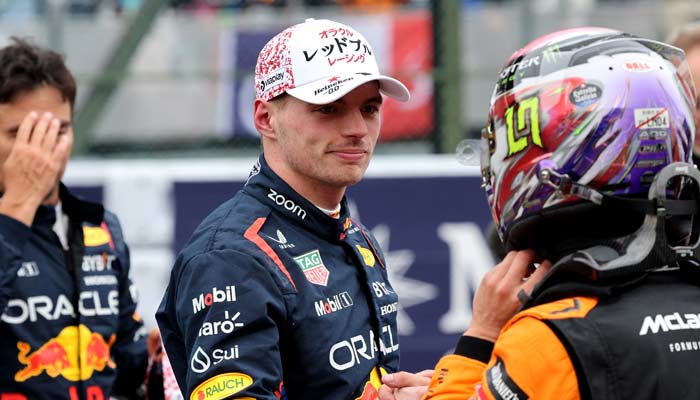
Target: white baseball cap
320,61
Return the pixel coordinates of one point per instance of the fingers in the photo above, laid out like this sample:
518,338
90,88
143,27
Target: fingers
536,277
39,132
24,131
405,393
49,141
411,393
153,341
503,267
520,267
40,129
403,379
427,372
30,171
386,393
61,150
495,275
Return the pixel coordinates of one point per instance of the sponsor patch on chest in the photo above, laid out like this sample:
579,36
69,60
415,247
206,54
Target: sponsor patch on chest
314,269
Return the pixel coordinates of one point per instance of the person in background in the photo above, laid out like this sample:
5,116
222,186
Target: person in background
280,292
69,327
687,38
587,174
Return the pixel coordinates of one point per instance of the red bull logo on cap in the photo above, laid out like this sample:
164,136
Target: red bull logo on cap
61,356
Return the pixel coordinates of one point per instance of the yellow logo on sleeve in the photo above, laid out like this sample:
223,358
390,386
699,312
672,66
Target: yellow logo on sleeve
367,255
221,386
96,236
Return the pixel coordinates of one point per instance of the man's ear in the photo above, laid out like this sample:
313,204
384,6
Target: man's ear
263,114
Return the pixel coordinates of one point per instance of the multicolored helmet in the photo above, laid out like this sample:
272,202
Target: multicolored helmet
601,108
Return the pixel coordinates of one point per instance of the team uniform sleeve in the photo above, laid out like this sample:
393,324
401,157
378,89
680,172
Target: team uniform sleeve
528,361
13,236
129,351
220,321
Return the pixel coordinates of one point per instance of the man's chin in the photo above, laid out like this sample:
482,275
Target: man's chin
350,178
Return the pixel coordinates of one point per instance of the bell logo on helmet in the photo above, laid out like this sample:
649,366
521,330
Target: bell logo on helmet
636,66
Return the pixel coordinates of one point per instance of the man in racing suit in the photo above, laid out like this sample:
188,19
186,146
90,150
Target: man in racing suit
598,180
280,293
69,328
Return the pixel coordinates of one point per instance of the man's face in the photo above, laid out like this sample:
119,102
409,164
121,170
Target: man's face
43,99
327,145
693,56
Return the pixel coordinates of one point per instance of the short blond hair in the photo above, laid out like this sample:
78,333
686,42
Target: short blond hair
686,37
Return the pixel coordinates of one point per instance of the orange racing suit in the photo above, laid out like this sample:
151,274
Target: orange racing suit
641,344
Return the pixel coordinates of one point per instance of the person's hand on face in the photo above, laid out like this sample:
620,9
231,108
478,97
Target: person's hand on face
496,300
31,170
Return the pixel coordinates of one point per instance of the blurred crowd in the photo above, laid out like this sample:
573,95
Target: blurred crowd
88,7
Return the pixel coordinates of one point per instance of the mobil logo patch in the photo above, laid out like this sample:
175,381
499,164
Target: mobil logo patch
330,305
312,266
204,300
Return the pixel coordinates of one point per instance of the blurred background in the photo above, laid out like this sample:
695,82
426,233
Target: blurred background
164,128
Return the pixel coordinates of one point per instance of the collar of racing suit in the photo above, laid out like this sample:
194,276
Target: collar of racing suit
266,186
77,209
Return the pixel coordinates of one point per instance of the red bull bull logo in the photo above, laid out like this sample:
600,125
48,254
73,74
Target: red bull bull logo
51,357
370,392
97,352
61,355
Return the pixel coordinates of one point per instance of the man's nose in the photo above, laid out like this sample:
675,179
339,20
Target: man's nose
355,124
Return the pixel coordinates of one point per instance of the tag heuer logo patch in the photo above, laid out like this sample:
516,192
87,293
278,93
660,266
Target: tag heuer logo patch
313,267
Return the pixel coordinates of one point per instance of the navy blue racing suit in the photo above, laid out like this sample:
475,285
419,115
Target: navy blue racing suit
69,328
274,299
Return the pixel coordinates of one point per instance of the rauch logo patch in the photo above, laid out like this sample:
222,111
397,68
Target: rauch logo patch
221,386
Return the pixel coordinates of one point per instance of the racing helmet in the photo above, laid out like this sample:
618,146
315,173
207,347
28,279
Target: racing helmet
577,114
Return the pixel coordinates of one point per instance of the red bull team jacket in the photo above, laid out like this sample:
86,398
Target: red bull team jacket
69,328
274,299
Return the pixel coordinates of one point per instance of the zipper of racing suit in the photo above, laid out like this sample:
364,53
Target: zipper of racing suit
74,260
375,321
375,316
